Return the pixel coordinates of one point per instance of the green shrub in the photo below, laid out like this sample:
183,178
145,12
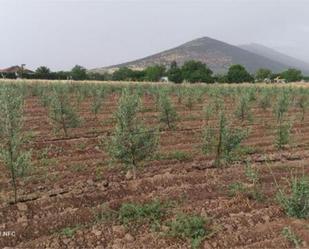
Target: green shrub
189,227
141,213
296,203
288,233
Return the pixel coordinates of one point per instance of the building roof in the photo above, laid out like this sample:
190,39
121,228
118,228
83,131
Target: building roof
15,69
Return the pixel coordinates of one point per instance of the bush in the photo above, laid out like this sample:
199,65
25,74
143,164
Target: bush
296,203
189,227
289,234
140,213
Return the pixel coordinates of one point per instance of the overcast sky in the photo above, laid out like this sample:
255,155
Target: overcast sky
95,33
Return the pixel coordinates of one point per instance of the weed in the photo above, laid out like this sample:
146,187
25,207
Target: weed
142,213
189,227
289,234
296,203
69,231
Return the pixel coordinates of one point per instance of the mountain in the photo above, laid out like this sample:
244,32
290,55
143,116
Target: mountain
216,54
277,56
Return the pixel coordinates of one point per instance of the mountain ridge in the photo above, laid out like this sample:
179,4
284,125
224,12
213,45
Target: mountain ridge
277,55
218,55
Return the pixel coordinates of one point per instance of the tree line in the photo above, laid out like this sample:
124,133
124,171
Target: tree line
191,72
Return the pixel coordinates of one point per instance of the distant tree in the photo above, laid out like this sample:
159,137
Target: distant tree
61,75
79,73
43,73
196,71
238,74
174,73
95,76
292,75
306,78
154,73
221,78
137,75
262,74
123,73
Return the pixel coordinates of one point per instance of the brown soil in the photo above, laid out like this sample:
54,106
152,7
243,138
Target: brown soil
71,180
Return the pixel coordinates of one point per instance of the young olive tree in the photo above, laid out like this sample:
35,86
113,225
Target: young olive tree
282,105
303,103
131,143
97,95
243,109
265,100
282,134
222,141
189,98
12,153
168,114
61,110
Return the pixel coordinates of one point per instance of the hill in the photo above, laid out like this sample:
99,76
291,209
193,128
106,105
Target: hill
216,54
278,56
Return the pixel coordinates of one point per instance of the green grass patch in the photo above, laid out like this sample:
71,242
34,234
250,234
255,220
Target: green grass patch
192,228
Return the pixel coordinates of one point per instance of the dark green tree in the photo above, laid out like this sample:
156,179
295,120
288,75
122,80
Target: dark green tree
154,73
292,75
79,73
174,73
262,74
43,73
123,73
196,71
238,74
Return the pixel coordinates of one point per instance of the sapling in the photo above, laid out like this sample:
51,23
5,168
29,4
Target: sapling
265,100
282,106
282,134
131,143
189,98
243,111
12,153
222,141
303,103
97,101
295,201
61,110
168,114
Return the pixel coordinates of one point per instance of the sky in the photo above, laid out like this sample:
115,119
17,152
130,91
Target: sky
95,33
